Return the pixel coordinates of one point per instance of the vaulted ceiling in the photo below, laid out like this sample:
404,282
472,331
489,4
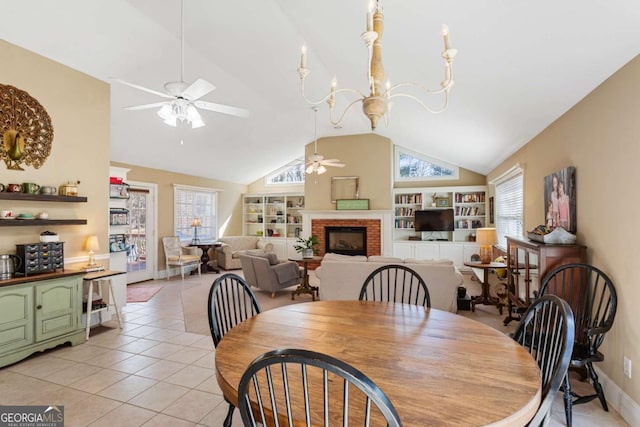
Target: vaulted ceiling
521,65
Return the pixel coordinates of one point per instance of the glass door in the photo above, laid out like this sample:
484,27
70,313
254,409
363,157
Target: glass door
141,255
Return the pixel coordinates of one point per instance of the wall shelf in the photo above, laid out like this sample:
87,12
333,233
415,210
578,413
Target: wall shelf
42,197
26,222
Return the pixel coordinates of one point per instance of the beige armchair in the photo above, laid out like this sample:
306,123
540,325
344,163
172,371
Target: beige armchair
177,255
228,254
266,272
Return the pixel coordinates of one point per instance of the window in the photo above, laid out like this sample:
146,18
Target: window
509,205
411,166
194,202
292,173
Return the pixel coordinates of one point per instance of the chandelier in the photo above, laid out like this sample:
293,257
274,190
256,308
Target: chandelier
182,110
377,103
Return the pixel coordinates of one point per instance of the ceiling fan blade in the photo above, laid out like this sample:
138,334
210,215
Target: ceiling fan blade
219,108
336,165
135,86
198,89
145,106
332,160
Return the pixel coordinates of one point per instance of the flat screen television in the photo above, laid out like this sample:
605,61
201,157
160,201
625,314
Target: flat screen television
434,220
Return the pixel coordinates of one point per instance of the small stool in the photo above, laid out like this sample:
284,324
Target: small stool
100,308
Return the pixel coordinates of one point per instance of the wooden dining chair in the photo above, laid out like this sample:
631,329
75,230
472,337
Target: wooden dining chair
593,299
547,331
231,301
395,283
298,384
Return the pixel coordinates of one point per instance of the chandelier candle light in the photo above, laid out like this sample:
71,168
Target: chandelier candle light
377,104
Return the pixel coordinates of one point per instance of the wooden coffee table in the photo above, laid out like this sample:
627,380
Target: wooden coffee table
305,287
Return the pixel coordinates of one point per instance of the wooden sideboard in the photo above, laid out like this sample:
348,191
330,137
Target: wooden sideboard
524,256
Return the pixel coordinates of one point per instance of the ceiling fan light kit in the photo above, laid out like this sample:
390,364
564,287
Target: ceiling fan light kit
377,104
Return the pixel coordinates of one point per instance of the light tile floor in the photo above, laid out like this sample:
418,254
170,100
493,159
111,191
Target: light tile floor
154,373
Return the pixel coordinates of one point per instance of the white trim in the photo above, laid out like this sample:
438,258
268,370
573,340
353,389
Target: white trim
396,166
619,400
196,188
510,173
153,264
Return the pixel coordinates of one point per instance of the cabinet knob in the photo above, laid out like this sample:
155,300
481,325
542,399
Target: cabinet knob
39,306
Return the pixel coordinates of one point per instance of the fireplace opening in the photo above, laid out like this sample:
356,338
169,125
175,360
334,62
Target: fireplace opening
346,240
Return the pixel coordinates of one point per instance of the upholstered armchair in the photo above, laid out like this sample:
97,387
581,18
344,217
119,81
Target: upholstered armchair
229,252
177,255
266,272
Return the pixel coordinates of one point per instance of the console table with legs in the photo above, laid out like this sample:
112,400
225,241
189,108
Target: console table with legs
524,256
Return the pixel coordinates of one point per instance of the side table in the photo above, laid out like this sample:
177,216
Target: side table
204,258
485,298
305,287
98,278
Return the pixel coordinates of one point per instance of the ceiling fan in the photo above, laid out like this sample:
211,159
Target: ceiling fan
184,98
316,163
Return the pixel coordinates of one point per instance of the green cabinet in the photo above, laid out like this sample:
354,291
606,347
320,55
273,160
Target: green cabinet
16,317
38,315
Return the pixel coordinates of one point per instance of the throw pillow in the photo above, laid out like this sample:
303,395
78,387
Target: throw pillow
271,257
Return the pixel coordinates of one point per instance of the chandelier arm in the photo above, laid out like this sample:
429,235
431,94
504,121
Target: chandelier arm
321,100
424,88
344,112
425,106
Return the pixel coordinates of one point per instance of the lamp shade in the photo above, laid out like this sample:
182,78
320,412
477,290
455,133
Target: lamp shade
486,236
196,222
91,244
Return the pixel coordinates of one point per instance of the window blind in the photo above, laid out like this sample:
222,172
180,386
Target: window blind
190,203
509,208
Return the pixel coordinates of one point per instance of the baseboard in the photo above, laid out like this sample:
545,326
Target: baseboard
619,400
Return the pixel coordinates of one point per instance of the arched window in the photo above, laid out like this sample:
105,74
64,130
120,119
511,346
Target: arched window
411,166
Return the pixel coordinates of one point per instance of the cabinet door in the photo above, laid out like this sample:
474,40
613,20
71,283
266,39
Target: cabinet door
403,250
454,252
58,307
16,317
428,251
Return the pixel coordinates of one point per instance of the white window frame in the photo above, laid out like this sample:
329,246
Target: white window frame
208,222
398,150
282,169
509,220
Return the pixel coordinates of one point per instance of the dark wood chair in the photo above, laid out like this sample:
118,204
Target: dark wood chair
231,301
395,283
547,332
298,384
593,299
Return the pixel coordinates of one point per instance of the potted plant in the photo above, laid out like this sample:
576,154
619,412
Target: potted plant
306,247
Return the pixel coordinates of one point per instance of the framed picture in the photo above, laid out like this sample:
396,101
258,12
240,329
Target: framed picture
441,202
560,199
344,187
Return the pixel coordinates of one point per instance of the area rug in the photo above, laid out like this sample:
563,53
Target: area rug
142,293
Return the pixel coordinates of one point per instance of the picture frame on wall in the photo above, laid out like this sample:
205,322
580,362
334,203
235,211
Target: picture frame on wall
560,199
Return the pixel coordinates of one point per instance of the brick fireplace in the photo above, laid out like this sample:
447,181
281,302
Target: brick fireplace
377,222
373,245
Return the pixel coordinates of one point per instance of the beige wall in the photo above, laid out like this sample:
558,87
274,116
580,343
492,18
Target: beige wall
229,200
600,136
79,109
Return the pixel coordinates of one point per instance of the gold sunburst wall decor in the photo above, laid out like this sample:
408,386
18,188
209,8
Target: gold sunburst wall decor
27,132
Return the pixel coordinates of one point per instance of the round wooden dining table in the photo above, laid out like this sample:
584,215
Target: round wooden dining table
436,367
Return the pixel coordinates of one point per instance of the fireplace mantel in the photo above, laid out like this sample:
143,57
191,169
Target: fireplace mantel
384,216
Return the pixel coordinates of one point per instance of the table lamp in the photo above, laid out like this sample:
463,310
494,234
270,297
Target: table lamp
195,224
486,237
92,245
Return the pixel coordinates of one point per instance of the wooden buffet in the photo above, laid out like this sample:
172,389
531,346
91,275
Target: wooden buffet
523,256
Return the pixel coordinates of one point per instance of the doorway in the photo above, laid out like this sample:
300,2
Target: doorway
141,256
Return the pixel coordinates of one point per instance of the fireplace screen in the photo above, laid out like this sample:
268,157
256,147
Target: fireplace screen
346,240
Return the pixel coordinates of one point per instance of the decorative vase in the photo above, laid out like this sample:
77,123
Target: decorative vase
307,253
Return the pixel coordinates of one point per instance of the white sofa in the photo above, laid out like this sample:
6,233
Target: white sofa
228,254
341,277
